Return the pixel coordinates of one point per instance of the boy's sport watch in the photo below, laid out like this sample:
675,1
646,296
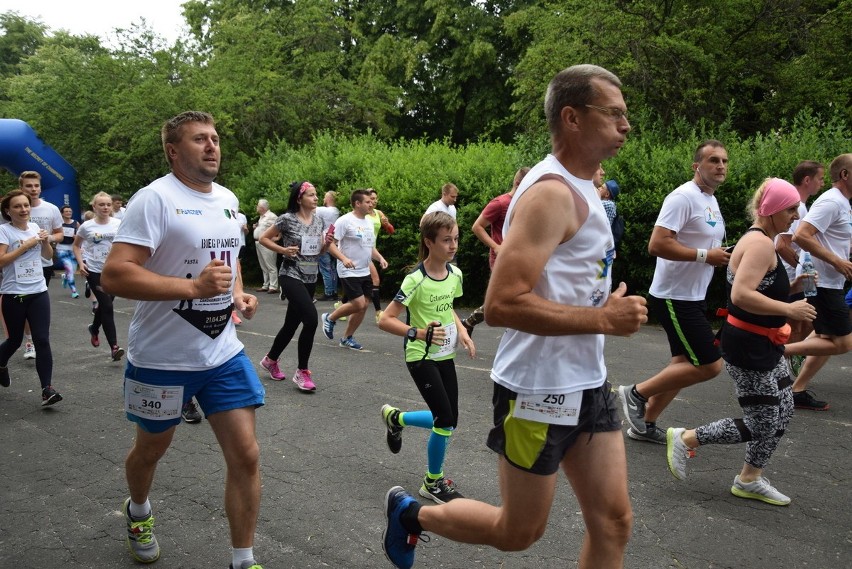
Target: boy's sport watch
411,334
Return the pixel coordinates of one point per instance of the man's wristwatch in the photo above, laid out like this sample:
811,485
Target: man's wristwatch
411,334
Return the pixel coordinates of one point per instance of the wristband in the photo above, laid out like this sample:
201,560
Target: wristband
701,255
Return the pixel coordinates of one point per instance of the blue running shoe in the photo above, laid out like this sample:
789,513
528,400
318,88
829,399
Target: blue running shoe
397,543
349,342
327,326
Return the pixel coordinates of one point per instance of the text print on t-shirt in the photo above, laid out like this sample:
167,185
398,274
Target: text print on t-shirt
213,320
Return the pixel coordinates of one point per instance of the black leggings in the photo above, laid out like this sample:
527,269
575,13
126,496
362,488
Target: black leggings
104,314
439,387
300,310
35,309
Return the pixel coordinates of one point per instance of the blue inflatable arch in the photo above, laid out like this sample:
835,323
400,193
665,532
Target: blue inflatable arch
21,149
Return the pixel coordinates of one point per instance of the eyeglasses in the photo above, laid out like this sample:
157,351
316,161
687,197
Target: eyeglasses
614,112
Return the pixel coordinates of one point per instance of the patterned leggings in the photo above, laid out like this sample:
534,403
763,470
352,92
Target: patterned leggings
766,399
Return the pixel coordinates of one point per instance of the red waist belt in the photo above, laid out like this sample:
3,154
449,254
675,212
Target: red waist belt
778,336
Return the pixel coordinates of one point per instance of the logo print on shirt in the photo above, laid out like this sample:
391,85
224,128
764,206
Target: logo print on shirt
710,217
209,322
605,264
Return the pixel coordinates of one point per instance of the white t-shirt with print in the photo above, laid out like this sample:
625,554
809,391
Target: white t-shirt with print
355,239
97,239
697,220
23,275
793,272
184,230
441,206
48,217
831,216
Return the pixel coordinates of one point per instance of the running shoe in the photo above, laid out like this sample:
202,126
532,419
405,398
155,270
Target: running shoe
250,564
49,396
272,367
327,326
29,351
397,543
653,434
390,419
760,489
337,305
303,380
141,541
440,491
94,334
349,342
75,294
806,400
190,412
117,353
677,453
5,380
633,407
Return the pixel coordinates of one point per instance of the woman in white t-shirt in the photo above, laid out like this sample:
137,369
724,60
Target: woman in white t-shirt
24,291
91,247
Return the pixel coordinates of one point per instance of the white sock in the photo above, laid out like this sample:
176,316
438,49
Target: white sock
240,554
140,511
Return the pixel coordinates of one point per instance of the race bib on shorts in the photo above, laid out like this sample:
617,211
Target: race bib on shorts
551,408
152,402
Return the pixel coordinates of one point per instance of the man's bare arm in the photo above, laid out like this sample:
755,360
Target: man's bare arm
125,275
543,218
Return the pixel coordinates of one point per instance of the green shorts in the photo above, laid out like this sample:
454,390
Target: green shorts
539,448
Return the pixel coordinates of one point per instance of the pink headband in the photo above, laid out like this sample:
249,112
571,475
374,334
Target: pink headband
777,196
305,187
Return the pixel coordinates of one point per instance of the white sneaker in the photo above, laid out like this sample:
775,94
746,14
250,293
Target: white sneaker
759,489
29,351
677,453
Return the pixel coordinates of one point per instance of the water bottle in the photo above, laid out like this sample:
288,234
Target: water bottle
809,284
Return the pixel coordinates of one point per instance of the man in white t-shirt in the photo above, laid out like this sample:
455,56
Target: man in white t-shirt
118,208
48,217
826,232
354,247
447,203
687,241
176,253
808,178
327,265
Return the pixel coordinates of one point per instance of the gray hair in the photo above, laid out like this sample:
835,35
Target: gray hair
572,87
263,203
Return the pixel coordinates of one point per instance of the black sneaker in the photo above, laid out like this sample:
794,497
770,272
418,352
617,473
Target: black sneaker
652,434
190,412
441,491
49,396
5,380
394,431
806,400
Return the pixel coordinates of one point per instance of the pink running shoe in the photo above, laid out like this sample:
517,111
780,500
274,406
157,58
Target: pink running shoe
302,379
272,367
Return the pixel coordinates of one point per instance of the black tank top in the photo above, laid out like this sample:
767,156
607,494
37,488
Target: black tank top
746,349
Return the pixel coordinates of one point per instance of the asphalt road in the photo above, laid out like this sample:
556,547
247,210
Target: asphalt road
326,467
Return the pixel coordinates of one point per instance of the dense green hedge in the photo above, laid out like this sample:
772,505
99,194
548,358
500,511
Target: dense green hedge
408,176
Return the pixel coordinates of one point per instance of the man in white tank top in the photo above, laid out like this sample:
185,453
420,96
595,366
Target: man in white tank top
551,289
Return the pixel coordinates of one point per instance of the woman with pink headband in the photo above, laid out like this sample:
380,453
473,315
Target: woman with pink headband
753,338
302,242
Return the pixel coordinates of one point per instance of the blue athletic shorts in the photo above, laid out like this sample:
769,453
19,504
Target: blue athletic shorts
232,385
